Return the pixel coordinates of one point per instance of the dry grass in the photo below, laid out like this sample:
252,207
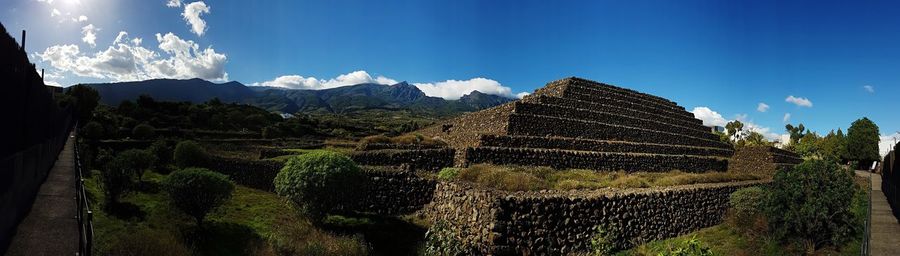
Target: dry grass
409,139
518,178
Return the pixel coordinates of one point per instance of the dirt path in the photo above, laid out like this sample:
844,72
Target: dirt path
885,229
50,228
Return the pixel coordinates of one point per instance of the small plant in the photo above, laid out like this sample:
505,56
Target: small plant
190,154
163,152
690,247
440,241
197,191
603,242
116,179
448,174
320,182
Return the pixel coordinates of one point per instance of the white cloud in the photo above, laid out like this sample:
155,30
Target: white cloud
450,89
54,12
869,88
126,60
786,118
81,18
762,107
52,83
709,117
174,3
192,13
312,83
887,143
522,94
799,101
454,89
90,35
46,1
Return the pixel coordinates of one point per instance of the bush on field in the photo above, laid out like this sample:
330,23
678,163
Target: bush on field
138,161
812,203
320,182
190,154
448,174
92,130
116,179
163,152
197,191
143,131
745,213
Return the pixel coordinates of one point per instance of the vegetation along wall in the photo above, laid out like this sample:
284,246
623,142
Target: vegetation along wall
486,221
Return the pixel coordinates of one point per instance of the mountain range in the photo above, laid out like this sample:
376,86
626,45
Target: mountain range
367,96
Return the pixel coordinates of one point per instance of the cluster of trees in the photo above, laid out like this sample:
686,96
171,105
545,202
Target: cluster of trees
860,144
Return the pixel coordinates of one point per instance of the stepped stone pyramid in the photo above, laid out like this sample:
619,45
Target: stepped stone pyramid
578,123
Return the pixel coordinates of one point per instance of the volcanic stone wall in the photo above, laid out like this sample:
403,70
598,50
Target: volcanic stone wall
423,159
392,192
761,160
577,123
493,222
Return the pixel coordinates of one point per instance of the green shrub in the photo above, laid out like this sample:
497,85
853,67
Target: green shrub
746,210
603,242
143,131
116,179
197,191
138,161
448,174
92,130
190,154
690,247
163,152
320,182
440,241
811,202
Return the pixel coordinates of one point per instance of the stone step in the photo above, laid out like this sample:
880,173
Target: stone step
534,125
609,118
574,81
511,141
600,161
629,110
570,94
598,93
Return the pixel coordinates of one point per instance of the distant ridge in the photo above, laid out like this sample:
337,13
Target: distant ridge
367,96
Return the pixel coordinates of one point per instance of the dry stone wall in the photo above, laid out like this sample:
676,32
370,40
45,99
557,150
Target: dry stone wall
392,192
598,145
563,159
564,127
761,160
493,222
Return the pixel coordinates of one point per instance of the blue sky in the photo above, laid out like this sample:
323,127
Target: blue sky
726,56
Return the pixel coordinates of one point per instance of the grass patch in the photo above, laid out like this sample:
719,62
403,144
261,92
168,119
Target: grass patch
519,178
408,139
253,222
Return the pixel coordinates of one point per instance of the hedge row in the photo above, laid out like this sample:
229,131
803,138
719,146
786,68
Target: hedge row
613,118
490,140
257,174
521,124
606,107
427,159
562,159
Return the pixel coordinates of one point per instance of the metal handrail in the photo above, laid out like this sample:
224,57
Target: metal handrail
85,226
864,246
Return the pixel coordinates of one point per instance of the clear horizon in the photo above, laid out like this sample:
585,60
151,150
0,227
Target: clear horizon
767,63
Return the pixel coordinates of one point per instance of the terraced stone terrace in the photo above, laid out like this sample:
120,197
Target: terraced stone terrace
578,123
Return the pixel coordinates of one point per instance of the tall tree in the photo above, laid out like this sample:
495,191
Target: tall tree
86,100
735,129
796,132
862,142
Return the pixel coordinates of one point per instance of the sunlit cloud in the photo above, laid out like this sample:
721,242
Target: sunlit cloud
89,35
191,15
802,102
869,88
762,107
